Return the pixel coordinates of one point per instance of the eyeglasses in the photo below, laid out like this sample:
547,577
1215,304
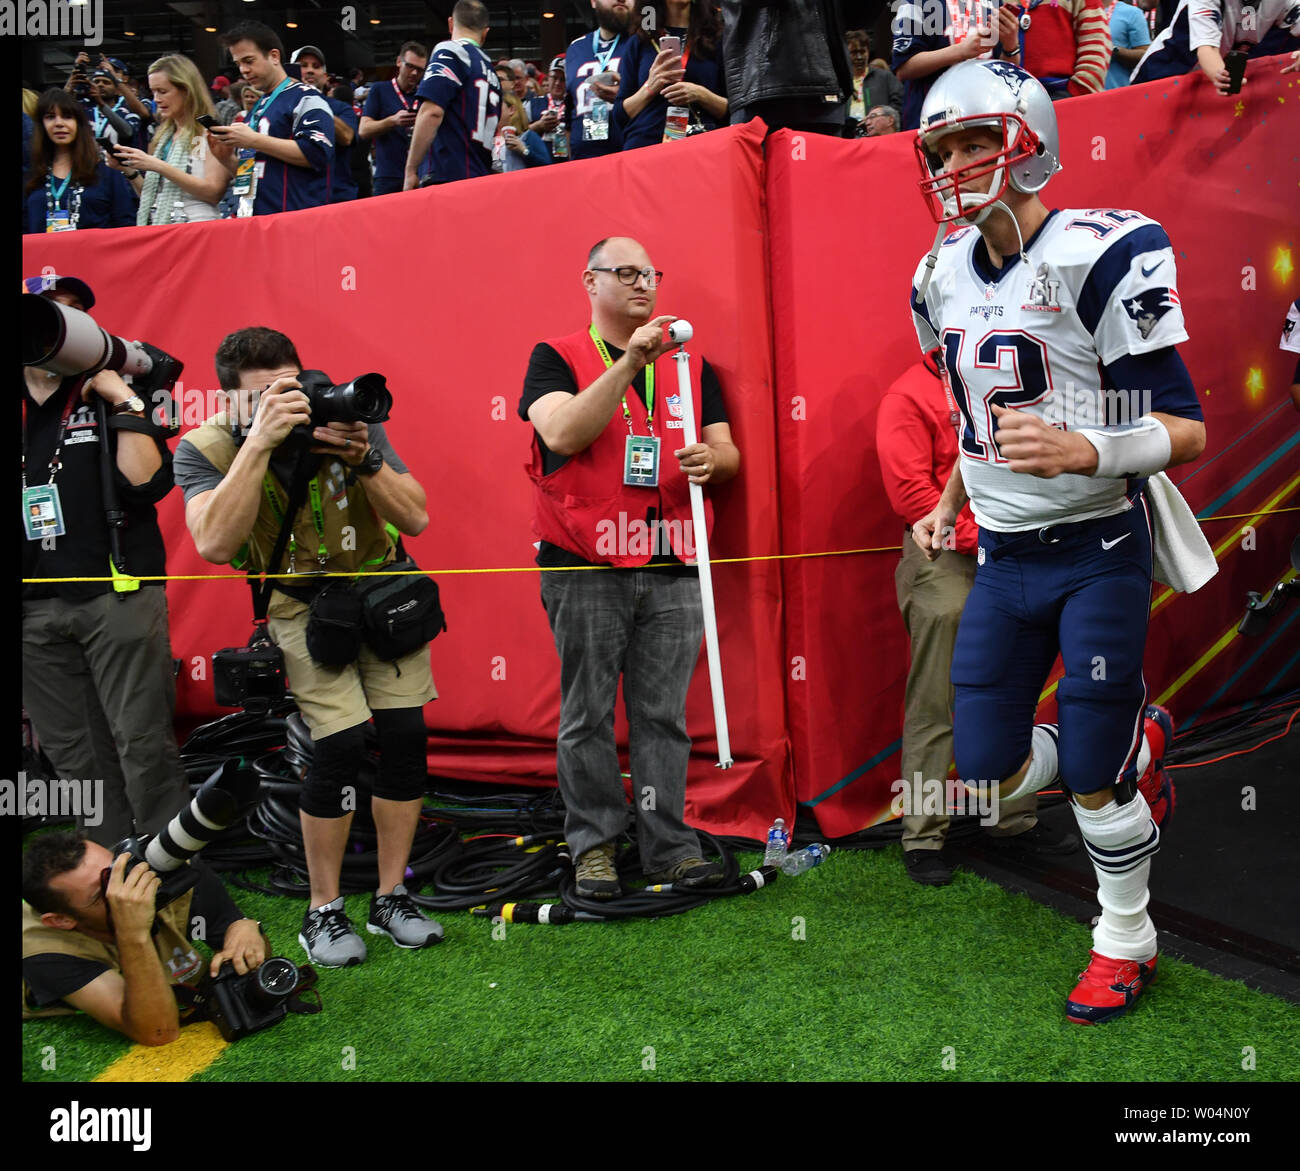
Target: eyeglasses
627,275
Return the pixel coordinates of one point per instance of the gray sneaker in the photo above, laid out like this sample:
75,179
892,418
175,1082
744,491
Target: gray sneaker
328,939
396,916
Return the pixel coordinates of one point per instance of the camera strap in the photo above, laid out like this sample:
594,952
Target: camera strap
297,498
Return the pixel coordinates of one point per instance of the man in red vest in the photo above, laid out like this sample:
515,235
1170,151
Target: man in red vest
612,479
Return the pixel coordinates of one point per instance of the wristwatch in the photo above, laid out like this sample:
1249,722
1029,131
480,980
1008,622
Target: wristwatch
133,405
370,463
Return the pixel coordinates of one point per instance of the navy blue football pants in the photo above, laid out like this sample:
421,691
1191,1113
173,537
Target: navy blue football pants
1086,597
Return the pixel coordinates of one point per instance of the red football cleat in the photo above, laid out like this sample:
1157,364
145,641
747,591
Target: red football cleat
1108,989
1155,784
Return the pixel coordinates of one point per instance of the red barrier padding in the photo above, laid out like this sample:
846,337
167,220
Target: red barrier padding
445,291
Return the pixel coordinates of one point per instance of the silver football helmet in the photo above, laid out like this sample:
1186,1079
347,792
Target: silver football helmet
1014,104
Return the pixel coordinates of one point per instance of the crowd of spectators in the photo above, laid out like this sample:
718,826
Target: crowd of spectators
109,150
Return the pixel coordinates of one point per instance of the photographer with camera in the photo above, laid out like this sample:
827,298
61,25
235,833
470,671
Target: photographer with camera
94,940
244,476
97,660
112,120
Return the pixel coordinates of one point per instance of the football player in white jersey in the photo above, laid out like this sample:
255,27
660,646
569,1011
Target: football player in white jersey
1058,331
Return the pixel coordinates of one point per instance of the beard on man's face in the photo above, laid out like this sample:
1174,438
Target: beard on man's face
612,21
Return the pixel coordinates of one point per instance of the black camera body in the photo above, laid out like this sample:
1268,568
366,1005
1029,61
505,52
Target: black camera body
251,677
173,883
239,1005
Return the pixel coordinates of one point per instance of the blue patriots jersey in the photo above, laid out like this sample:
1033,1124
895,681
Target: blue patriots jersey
1100,285
1265,28
581,64
460,79
300,113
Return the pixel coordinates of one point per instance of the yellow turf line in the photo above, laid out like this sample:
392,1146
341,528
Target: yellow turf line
193,1051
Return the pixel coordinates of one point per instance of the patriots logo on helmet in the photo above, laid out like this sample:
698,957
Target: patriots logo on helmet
1013,77
675,406
1149,306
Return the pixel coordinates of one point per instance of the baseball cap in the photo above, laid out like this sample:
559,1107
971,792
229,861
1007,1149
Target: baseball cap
221,81
49,284
118,64
558,63
310,50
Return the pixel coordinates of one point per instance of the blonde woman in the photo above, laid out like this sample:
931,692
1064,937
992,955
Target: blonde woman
180,179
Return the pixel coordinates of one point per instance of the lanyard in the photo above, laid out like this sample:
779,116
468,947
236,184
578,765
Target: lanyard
57,193
265,102
603,350
603,62
317,517
55,462
401,97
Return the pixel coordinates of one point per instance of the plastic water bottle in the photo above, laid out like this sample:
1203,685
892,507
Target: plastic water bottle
805,859
778,844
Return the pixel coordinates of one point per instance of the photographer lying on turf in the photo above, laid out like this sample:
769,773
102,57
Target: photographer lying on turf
105,949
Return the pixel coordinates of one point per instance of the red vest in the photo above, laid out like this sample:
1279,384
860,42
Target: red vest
584,506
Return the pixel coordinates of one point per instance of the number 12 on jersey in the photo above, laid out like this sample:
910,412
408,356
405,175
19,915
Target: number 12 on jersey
1009,370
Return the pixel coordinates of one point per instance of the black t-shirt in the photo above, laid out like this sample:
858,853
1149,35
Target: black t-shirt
83,550
547,373
50,976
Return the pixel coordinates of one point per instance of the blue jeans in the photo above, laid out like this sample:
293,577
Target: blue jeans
646,626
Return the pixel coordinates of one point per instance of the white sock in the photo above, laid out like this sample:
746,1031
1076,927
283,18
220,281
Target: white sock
1042,770
1120,840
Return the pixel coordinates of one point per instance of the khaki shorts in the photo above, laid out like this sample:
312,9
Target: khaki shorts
333,699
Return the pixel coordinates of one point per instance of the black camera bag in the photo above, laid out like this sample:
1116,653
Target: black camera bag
399,614
334,625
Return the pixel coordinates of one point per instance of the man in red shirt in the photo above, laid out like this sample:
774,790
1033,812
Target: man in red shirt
916,440
611,473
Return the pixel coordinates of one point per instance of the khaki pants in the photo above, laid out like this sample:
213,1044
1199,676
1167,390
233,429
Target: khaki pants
931,595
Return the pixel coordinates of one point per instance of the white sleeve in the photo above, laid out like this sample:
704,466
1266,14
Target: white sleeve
1291,330
1141,311
1204,23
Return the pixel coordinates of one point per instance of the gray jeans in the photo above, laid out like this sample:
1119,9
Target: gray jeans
647,627
99,688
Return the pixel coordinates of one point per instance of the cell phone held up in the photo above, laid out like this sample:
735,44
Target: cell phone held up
207,121
1236,64
670,44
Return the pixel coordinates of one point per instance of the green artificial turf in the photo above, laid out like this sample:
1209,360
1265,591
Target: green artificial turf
891,981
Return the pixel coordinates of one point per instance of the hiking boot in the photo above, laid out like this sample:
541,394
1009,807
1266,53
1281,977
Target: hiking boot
689,873
595,874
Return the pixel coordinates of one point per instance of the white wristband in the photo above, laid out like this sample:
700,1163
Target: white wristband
1140,450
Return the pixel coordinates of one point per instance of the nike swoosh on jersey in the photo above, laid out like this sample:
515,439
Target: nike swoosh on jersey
1148,271
1116,541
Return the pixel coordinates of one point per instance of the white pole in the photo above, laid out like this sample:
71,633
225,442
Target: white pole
677,332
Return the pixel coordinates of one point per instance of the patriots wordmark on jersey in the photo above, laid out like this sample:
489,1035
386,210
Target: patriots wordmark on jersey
1100,284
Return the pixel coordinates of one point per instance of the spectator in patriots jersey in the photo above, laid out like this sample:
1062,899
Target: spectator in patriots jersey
930,37
1203,32
589,63
460,102
285,150
389,116
1032,309
1129,38
311,63
1291,341
689,83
